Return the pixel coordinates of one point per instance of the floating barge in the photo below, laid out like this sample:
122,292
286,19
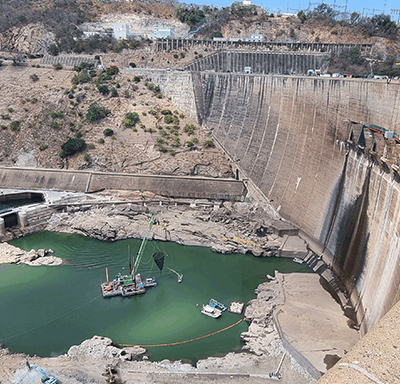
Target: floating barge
236,307
131,284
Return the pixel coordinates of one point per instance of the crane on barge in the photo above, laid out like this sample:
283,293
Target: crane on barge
131,284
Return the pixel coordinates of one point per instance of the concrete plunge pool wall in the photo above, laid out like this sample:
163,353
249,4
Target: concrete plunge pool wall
289,137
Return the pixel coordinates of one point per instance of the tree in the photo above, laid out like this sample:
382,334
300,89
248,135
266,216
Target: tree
96,112
302,16
72,146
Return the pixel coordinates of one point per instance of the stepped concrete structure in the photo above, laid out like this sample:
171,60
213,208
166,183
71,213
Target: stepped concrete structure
261,62
289,138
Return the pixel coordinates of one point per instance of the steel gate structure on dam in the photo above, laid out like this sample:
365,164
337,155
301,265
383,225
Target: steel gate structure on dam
289,136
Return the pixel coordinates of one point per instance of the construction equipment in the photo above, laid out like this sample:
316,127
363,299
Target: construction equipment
45,379
110,370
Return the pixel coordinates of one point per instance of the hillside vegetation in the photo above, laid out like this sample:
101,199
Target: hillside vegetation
99,120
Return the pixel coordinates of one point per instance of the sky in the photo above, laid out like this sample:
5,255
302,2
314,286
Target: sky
365,7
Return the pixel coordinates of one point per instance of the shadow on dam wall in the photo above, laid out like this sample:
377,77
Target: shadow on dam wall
288,136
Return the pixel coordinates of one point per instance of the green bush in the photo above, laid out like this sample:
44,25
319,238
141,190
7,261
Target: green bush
14,126
34,77
114,92
3,127
113,70
57,66
96,112
131,118
91,146
86,157
166,112
208,144
103,89
189,129
132,65
54,125
43,146
100,141
72,146
55,115
168,119
80,78
6,117
108,132
126,94
136,79
84,65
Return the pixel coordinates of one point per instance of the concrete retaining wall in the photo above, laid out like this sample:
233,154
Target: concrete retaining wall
261,62
83,181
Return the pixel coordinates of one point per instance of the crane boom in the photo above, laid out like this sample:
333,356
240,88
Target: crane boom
144,242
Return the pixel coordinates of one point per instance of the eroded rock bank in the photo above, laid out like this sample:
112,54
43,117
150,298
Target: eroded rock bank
232,228
14,255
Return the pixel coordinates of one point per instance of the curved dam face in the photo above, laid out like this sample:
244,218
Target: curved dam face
289,136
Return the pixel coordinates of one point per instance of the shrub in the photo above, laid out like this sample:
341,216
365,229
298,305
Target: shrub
103,78
55,115
136,79
14,126
103,89
131,118
189,129
208,144
195,140
86,157
166,112
91,146
3,127
96,112
6,117
132,65
72,146
108,132
54,125
34,77
80,78
100,141
189,144
114,92
57,66
10,109
126,94
84,65
168,119
113,70
159,96
43,146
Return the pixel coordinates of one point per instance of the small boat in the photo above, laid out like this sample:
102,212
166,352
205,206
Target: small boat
297,260
217,304
150,282
211,311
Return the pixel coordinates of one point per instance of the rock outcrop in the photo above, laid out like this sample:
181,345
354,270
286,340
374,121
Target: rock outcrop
32,39
99,347
14,255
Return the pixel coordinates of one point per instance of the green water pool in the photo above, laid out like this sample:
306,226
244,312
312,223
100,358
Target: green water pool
45,310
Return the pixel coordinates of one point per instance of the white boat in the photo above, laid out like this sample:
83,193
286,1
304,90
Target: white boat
297,260
210,311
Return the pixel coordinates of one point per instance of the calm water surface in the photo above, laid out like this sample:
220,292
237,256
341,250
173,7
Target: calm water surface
45,310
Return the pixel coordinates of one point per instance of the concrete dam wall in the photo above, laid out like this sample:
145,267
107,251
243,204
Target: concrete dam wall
289,137
261,62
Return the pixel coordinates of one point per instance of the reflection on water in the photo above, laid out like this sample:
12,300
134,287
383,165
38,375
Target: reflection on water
48,309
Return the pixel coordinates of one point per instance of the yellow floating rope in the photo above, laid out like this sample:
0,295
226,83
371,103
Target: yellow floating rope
179,342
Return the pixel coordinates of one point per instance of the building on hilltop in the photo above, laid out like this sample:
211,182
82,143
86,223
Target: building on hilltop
163,32
121,31
246,2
